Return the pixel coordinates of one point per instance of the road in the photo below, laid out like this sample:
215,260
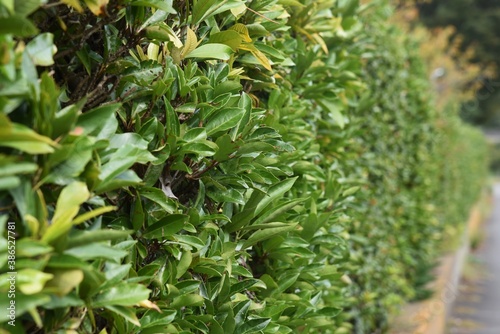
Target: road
477,306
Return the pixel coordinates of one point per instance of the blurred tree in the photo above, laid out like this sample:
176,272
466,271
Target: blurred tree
477,23
476,27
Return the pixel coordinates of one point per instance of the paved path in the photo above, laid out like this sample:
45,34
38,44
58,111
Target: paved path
477,307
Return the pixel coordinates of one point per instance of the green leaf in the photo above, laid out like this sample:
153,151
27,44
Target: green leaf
17,25
159,197
290,3
275,211
119,162
9,182
253,326
18,168
164,5
226,148
82,238
157,17
96,251
202,149
101,121
334,110
266,234
26,7
126,313
23,138
172,125
69,300
23,304
69,160
66,118
167,226
202,9
187,300
122,294
184,264
122,180
94,213
31,248
195,134
275,192
65,261
211,51
228,196
152,318
224,119
190,241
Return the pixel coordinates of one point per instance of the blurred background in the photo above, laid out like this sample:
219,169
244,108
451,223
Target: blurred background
461,43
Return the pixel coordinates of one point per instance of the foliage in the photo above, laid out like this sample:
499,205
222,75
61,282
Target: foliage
220,166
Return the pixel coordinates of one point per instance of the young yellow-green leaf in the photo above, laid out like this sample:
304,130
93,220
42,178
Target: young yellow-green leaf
211,51
75,4
242,30
97,7
230,38
257,54
41,49
68,205
94,213
31,281
191,43
64,280
237,11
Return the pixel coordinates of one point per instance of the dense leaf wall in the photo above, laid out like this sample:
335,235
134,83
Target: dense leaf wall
221,166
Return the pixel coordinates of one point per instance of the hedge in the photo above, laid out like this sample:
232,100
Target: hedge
233,166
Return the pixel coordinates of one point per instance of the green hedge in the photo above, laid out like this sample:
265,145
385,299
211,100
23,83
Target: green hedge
234,166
